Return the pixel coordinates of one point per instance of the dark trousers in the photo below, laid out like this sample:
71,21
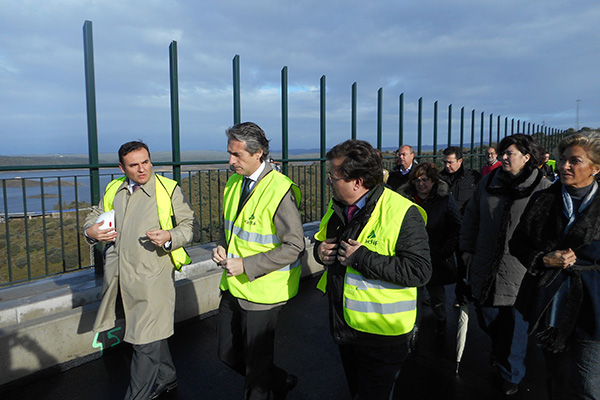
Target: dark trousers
508,331
151,363
371,372
247,343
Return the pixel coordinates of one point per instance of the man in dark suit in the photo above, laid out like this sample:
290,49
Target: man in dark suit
260,244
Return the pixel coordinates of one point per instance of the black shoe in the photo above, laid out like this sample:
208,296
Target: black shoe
509,388
159,388
291,381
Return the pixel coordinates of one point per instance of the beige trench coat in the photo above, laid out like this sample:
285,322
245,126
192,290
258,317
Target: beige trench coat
143,272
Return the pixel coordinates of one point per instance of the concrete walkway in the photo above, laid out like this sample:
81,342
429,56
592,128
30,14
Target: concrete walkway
305,348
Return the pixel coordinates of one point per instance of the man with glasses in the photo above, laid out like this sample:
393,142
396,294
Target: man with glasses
374,244
492,161
462,181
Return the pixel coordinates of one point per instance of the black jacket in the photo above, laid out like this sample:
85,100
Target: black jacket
462,185
396,178
411,266
443,229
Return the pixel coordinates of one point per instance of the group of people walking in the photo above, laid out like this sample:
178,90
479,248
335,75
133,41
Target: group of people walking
522,249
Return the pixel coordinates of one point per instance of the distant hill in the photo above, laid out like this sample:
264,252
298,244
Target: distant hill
158,156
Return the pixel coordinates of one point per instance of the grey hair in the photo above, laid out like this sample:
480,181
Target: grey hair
589,141
252,135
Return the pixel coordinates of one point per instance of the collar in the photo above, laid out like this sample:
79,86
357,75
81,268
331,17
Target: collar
256,174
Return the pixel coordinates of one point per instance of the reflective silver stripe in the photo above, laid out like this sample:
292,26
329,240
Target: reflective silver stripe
363,283
251,237
286,268
388,308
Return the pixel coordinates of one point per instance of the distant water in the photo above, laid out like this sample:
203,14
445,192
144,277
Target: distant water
12,199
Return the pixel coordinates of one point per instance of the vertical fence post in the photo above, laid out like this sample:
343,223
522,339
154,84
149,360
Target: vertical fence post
237,112
401,120
449,125
354,97
512,126
174,83
420,128
505,126
90,91
462,128
472,135
435,128
498,131
480,139
284,121
323,147
379,117
491,128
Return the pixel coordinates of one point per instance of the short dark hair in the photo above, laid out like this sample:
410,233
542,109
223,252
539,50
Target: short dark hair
453,150
131,146
360,160
426,168
526,145
252,135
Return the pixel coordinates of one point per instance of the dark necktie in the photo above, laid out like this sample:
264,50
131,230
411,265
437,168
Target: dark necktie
351,211
136,186
245,190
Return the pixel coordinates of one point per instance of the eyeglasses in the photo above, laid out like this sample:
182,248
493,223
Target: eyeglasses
332,179
422,180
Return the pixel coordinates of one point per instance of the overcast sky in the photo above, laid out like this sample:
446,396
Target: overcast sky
528,60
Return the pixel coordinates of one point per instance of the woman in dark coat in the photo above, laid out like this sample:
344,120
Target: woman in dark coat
558,241
425,188
490,219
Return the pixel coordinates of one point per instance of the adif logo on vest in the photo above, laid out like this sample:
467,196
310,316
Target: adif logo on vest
372,238
250,220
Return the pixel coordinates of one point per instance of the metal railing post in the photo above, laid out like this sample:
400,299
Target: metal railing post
237,112
284,121
401,120
379,117
175,133
420,128
449,125
354,101
323,147
90,95
435,127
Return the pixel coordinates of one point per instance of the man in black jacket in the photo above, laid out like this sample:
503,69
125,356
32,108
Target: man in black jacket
462,181
373,242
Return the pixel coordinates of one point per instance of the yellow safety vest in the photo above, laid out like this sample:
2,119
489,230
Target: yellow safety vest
372,305
165,211
253,232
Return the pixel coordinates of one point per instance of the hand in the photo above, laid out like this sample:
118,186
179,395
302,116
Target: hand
560,259
328,251
219,254
233,266
101,235
346,251
467,258
158,237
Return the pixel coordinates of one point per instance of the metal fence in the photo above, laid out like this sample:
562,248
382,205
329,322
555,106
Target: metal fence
43,210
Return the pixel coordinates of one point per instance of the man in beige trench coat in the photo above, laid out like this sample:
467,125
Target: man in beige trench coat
140,265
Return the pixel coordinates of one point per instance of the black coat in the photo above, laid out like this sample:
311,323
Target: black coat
540,231
462,185
410,267
443,229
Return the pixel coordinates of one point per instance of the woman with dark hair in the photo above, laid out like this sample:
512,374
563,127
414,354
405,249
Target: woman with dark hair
558,241
425,188
490,218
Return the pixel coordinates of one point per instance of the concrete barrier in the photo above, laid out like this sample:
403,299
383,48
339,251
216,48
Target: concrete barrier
47,324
